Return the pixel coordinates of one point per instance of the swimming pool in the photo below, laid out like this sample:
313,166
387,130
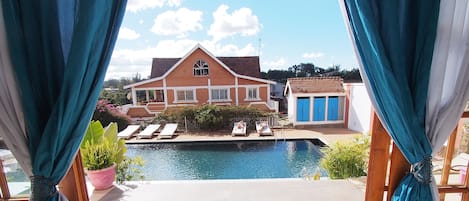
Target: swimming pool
229,160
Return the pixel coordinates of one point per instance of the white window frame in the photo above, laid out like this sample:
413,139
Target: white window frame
252,98
176,100
201,66
228,98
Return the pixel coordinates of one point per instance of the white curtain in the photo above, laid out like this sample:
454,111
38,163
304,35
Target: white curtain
12,127
448,90
449,76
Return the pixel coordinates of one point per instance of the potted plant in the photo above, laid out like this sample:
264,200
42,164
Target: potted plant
101,151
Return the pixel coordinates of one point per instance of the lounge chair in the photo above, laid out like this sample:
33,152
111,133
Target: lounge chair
128,132
148,131
168,131
263,128
239,128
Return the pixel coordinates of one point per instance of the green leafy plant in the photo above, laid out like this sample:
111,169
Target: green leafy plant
346,159
130,169
101,148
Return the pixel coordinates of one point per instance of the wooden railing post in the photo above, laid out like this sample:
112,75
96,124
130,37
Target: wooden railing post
398,169
447,163
378,162
73,185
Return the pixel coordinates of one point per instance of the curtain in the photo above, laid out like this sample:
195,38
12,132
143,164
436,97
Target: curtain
449,77
395,42
12,128
59,53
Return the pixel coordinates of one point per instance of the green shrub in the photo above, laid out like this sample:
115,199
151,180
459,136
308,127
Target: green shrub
130,169
211,117
346,159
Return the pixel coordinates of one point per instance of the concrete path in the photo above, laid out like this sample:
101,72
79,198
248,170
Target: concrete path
237,190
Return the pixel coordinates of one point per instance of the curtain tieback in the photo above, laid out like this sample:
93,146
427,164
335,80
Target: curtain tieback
42,188
422,170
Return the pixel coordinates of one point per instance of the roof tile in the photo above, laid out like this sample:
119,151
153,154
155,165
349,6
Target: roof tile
316,85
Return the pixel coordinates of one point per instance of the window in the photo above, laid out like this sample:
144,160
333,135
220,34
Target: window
200,68
185,95
219,94
159,96
252,93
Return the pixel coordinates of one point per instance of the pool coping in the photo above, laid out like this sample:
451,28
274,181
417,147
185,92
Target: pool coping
278,135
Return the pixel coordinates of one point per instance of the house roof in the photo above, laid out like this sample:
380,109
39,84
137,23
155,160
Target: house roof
315,85
165,70
248,66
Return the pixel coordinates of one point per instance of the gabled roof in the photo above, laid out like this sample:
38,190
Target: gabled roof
168,61
315,85
248,66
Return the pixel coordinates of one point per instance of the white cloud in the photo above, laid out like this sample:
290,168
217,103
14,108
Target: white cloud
141,21
241,21
177,22
138,5
274,65
128,34
175,3
127,62
313,55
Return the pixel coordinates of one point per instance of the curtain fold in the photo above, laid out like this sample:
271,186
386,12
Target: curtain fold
60,51
395,42
12,128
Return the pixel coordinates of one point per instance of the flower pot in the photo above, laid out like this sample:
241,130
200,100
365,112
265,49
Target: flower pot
102,179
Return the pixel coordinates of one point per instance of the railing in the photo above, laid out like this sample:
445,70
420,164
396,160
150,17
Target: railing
387,166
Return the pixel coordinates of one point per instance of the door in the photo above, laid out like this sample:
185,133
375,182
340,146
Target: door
319,109
333,108
302,109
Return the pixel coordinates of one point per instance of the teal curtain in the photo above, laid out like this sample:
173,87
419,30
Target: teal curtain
395,39
60,50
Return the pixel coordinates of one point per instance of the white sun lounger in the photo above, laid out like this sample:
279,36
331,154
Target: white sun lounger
263,128
148,131
239,128
168,131
128,132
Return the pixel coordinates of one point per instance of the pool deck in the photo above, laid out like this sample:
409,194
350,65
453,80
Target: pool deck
298,189
326,135
236,190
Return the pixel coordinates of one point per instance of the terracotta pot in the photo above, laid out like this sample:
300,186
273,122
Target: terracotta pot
102,179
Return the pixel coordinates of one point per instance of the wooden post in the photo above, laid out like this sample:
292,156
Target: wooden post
378,162
465,195
3,183
73,185
398,169
448,159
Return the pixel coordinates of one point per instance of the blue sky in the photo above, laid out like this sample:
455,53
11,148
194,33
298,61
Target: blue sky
282,33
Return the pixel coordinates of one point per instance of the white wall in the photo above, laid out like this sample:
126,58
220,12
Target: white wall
360,108
291,108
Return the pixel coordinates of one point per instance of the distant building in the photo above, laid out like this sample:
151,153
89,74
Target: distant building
315,100
200,78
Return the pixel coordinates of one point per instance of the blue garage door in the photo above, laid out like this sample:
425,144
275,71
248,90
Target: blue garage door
319,108
302,111
333,108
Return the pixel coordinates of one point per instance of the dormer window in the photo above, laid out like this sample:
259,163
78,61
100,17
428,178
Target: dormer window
200,68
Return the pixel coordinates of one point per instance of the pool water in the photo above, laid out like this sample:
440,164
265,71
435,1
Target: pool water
229,160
